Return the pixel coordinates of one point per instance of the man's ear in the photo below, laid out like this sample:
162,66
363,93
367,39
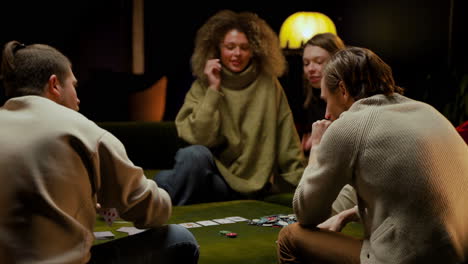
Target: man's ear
343,91
345,94
53,88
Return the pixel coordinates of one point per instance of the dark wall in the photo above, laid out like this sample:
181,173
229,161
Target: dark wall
422,40
95,35
411,36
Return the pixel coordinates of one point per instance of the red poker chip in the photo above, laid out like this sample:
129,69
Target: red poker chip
231,235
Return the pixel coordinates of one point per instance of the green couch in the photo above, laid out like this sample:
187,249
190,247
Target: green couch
150,145
153,145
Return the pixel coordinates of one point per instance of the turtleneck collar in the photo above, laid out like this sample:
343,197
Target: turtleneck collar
240,80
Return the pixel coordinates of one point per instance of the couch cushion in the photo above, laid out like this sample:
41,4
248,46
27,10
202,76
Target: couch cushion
150,145
281,198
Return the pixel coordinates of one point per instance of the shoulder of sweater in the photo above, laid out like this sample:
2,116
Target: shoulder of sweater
64,114
395,101
78,121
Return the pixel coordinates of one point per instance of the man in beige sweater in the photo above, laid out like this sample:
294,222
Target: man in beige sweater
56,166
406,161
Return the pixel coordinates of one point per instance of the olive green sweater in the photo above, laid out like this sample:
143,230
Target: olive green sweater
248,126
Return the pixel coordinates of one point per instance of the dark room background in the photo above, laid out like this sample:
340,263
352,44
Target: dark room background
423,41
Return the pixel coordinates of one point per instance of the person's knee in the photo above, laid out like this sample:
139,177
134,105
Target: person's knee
182,247
285,244
181,237
162,175
285,231
181,234
286,234
196,153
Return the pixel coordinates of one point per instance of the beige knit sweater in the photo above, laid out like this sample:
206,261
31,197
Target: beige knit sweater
409,167
55,164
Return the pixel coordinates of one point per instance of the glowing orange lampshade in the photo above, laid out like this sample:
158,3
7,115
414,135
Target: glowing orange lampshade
301,26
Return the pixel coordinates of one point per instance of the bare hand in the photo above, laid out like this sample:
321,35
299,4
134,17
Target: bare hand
212,71
98,207
338,221
306,142
318,129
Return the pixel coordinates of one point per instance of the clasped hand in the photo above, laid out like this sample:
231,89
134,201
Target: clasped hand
318,129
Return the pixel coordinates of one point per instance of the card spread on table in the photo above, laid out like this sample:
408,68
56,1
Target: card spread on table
207,223
226,220
190,225
130,230
236,218
223,221
104,235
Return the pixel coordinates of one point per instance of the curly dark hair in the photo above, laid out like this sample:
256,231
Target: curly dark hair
264,42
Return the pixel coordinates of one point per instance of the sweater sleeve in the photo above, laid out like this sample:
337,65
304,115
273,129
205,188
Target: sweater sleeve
198,121
122,185
291,158
331,165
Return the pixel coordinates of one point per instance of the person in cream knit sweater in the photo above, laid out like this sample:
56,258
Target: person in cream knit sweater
56,166
406,161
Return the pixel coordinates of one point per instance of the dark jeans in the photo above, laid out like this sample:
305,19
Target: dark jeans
195,178
170,244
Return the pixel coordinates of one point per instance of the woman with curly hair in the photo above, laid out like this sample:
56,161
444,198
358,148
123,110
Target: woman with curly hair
235,116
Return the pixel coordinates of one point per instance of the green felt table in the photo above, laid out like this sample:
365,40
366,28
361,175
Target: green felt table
253,244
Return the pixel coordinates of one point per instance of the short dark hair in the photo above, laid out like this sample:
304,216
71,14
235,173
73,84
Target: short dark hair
363,73
25,69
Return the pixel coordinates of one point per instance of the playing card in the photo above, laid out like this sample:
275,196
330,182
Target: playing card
109,215
223,221
207,223
190,225
130,230
104,235
236,218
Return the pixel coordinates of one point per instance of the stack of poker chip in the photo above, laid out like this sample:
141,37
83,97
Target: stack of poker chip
227,233
279,220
